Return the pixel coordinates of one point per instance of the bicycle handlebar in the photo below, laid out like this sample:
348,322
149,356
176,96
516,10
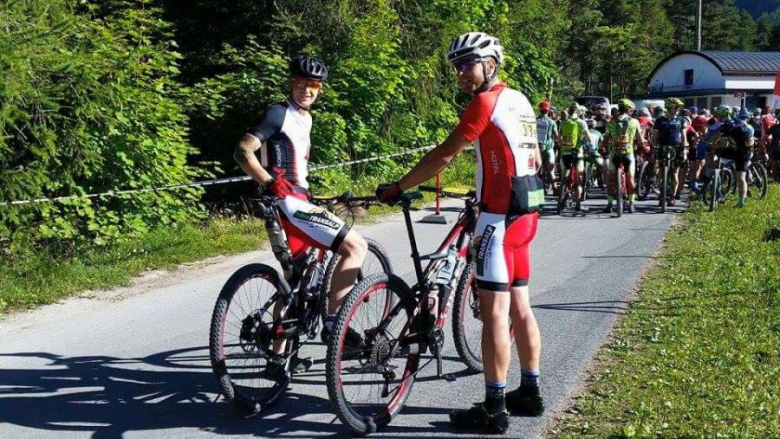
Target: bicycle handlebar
467,195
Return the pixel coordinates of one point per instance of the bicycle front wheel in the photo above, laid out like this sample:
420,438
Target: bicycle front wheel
369,376
758,180
376,261
237,347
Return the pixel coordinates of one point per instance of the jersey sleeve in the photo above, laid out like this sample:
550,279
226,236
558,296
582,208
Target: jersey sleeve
271,123
476,117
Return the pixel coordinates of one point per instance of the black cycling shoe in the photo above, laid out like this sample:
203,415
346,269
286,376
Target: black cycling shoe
301,365
477,418
353,343
275,368
607,209
525,401
631,208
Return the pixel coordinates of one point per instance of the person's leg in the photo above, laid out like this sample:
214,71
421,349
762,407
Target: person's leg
352,251
579,163
493,277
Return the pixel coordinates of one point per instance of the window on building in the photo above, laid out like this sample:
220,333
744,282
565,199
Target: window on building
688,102
716,101
702,102
689,77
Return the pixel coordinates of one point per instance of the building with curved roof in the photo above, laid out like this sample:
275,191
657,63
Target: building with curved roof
711,78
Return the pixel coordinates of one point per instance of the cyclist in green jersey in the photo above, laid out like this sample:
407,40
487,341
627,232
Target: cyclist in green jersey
573,137
547,135
623,133
592,155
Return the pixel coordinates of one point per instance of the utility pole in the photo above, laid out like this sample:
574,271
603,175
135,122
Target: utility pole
698,25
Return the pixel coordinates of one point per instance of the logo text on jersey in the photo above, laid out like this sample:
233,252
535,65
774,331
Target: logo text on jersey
317,216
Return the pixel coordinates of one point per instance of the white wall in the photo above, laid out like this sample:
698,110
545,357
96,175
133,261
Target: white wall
750,82
672,74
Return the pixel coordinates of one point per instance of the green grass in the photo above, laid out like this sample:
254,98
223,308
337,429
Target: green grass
699,354
31,277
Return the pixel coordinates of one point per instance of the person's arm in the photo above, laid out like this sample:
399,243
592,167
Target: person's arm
434,161
244,154
639,139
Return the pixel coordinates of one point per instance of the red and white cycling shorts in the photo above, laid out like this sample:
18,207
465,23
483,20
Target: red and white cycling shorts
501,250
307,225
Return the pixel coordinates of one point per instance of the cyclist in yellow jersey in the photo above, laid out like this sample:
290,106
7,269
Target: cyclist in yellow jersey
623,133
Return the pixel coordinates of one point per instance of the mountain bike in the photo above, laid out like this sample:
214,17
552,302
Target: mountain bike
382,367
667,154
567,192
647,176
620,162
260,316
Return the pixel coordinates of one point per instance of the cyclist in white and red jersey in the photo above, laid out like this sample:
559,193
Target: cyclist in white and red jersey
501,123
282,138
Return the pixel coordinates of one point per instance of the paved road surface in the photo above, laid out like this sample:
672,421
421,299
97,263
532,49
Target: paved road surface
134,362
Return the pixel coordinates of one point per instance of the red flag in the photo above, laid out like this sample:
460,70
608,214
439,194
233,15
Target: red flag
777,85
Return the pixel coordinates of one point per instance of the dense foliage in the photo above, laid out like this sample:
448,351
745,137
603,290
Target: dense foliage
122,94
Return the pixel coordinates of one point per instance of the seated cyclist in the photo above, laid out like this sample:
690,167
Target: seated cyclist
623,134
574,135
283,139
547,134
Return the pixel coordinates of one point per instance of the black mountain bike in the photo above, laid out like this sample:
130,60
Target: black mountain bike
370,380
258,309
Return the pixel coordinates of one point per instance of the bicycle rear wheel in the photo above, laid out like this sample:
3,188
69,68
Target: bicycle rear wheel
645,181
758,179
238,348
466,322
370,378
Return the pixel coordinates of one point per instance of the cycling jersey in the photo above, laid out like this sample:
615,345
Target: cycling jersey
671,130
285,135
741,133
595,140
699,123
767,122
502,125
545,131
574,134
621,133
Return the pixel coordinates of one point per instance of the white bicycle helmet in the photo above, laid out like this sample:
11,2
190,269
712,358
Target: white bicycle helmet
475,44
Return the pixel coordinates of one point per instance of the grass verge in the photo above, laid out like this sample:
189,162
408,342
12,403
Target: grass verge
31,277
698,355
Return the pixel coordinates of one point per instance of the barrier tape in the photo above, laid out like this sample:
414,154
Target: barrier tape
214,182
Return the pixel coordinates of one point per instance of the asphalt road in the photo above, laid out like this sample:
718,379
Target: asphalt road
133,362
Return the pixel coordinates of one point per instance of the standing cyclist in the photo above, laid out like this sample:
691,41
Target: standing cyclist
670,130
501,123
623,133
547,134
574,136
282,137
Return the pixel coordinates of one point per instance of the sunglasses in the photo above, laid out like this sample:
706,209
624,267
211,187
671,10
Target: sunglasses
466,64
307,84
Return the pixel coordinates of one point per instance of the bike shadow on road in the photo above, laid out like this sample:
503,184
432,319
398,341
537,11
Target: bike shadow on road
109,396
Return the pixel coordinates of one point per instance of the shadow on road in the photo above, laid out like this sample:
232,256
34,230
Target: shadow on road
109,396
607,306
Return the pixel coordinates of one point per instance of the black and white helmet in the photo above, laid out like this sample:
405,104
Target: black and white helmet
308,67
477,45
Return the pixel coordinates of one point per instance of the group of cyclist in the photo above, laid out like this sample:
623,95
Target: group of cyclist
512,146
597,137
500,122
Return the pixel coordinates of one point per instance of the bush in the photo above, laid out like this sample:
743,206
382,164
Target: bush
90,104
